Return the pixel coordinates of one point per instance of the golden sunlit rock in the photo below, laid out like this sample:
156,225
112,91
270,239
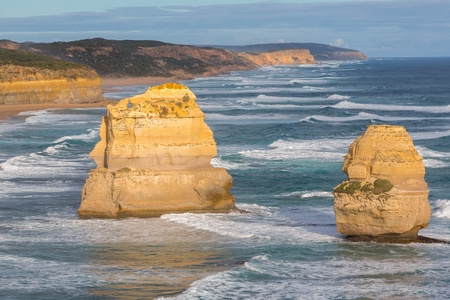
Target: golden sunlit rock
27,85
154,157
386,196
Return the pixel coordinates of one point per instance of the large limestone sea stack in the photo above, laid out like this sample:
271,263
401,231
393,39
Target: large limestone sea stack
154,157
386,197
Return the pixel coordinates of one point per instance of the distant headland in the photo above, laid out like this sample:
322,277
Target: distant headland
74,72
147,58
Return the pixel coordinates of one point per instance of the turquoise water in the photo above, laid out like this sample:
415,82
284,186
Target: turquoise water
281,132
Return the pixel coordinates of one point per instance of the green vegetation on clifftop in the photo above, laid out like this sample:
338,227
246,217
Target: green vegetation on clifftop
28,59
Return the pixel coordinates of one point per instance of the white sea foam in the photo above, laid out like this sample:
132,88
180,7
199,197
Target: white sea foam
53,150
36,165
323,149
435,163
257,209
315,88
359,116
427,152
307,194
263,224
338,97
284,106
442,209
229,165
308,81
343,276
32,188
44,163
276,99
385,107
432,158
48,116
263,97
429,135
244,119
211,222
91,135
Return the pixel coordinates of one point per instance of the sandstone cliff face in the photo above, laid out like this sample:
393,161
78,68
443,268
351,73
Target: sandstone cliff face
342,55
154,158
28,85
282,57
386,196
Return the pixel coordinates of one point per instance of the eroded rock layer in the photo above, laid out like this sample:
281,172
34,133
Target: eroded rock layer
281,57
28,85
386,196
154,157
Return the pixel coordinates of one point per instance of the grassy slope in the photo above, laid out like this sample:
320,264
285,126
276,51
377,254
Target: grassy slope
29,59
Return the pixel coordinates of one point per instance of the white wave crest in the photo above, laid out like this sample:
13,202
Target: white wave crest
93,134
338,97
257,209
48,116
435,163
307,194
323,149
220,163
432,158
53,150
427,152
314,88
243,226
249,119
266,98
443,209
307,80
429,135
385,107
359,116
210,222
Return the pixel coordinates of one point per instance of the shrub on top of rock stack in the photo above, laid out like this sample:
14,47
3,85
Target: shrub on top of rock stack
386,197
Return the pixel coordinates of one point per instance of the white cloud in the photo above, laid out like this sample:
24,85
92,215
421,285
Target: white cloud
364,25
339,43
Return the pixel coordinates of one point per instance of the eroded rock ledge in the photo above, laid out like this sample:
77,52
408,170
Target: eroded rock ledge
154,157
386,197
30,85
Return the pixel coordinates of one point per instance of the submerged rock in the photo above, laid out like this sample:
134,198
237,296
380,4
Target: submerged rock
154,157
386,197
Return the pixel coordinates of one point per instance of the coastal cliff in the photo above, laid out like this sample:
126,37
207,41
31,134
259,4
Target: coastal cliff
27,78
154,157
282,57
386,196
321,52
118,59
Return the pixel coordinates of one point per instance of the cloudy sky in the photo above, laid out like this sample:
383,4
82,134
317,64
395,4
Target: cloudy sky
379,28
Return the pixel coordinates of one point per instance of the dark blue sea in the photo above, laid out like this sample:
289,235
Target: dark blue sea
282,133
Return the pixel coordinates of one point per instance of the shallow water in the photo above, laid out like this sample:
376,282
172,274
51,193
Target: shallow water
281,133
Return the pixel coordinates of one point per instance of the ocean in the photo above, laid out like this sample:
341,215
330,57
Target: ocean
281,132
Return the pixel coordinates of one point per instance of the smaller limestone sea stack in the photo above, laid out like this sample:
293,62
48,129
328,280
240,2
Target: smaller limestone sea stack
154,157
385,198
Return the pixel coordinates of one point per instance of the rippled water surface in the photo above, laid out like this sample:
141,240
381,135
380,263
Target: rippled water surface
281,133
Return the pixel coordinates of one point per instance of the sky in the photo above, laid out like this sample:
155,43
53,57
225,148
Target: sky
378,28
